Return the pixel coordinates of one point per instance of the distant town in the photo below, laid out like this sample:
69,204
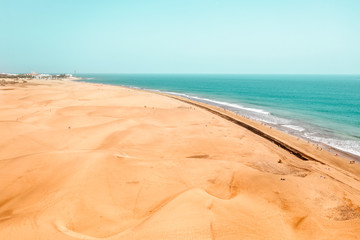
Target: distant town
36,76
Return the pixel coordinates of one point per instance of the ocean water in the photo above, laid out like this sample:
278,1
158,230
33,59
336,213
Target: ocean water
320,108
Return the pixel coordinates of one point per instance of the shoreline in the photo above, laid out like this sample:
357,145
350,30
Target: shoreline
302,149
237,117
328,148
250,124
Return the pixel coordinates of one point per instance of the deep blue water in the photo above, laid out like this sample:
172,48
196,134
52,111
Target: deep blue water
321,108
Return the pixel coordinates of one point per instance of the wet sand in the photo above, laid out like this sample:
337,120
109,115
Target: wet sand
87,161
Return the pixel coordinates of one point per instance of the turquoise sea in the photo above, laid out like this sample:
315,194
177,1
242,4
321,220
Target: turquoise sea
320,108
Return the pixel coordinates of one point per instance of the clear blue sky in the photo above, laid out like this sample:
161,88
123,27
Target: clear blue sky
165,36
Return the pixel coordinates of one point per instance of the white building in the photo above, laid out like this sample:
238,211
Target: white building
9,74
43,76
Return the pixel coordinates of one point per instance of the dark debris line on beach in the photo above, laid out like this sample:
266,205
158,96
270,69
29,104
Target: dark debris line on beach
281,144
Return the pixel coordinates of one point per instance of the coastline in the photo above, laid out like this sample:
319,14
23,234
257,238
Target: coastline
254,127
249,122
263,130
320,117
99,161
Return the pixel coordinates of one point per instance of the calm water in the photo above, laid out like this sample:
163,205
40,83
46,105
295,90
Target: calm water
321,108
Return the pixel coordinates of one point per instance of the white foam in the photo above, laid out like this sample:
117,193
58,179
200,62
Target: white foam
349,146
262,120
293,127
233,105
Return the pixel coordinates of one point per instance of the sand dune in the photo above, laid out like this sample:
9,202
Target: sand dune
86,161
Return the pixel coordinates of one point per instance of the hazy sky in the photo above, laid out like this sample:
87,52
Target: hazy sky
166,36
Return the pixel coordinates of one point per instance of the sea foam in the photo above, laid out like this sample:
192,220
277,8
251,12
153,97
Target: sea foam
220,103
350,146
293,127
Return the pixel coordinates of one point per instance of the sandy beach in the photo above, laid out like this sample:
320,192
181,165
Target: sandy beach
90,161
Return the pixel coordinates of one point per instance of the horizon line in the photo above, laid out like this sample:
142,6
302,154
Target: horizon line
176,73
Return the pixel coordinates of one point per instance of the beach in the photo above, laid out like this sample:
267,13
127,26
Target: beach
319,108
92,161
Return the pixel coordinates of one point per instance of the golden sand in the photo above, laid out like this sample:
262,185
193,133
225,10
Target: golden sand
86,161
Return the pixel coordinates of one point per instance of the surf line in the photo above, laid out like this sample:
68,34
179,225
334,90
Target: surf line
294,151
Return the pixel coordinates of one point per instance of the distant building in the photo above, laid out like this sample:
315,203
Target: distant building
47,76
43,76
9,74
33,74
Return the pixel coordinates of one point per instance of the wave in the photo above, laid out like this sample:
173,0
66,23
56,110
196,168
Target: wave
221,103
294,127
350,146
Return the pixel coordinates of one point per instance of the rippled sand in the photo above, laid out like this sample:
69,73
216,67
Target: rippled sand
83,161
